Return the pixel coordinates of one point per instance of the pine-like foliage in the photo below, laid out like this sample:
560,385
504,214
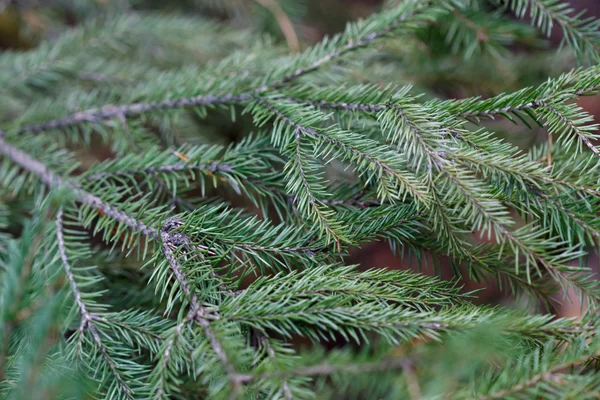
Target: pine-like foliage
139,259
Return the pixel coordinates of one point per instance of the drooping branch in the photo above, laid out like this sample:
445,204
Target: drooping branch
172,240
87,318
54,181
110,111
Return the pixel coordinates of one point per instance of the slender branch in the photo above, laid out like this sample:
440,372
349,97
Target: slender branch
343,106
87,318
351,45
574,128
311,197
175,200
564,209
531,105
329,369
286,26
538,378
197,312
532,255
566,23
111,111
381,165
173,168
54,181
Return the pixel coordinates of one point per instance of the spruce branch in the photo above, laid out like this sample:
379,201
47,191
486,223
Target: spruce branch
575,127
322,216
569,86
346,161
111,111
87,319
406,182
580,33
197,312
545,368
54,181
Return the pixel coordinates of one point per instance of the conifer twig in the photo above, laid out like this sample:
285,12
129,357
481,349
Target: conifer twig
213,168
54,181
538,378
125,110
87,318
197,312
330,369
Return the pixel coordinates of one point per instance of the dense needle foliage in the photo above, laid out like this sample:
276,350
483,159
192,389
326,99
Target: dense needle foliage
139,259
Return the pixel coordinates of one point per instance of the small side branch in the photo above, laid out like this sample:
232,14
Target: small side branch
111,111
197,313
213,168
330,369
87,318
537,379
52,180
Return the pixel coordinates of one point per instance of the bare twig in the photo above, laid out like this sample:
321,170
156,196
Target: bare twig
286,26
329,369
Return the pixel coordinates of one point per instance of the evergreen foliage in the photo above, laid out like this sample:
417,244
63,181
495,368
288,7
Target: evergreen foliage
180,268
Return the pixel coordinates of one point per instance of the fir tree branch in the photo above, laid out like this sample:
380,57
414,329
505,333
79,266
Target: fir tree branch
593,231
213,168
175,200
580,33
111,111
342,106
318,213
197,312
474,110
540,378
384,168
496,219
87,319
350,46
54,181
573,128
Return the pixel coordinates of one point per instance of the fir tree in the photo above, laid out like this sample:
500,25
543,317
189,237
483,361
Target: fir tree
177,268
